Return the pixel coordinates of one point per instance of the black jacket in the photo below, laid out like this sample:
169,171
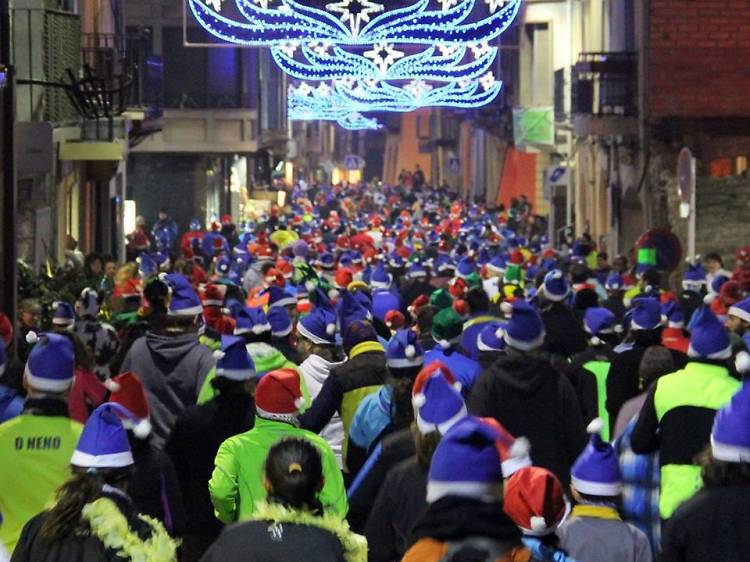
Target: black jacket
530,398
564,332
713,525
399,504
623,382
413,289
193,445
154,488
32,547
584,385
260,541
393,449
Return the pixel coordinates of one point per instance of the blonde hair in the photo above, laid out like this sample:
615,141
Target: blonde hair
125,273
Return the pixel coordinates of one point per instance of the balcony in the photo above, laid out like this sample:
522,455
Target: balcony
604,93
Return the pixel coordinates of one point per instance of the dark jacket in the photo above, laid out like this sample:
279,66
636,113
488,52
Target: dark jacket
287,350
530,398
413,289
364,373
193,445
456,525
154,488
584,385
623,382
75,548
172,369
713,525
399,504
564,335
393,449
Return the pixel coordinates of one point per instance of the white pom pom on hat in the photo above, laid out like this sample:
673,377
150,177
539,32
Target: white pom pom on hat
499,333
506,307
521,447
219,354
595,427
595,341
111,385
742,362
538,523
32,337
142,429
418,400
410,351
330,329
710,298
299,403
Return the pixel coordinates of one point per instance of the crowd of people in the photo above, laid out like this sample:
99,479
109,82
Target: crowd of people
369,376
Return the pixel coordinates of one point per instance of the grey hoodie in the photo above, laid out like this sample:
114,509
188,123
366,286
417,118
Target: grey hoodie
172,369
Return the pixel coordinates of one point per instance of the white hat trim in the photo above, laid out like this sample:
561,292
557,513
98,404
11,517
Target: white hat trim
596,488
213,302
739,313
729,453
635,326
191,311
289,417
304,332
552,297
442,428
725,353
257,329
552,528
483,491
63,321
524,346
514,464
235,374
286,301
380,284
403,362
481,346
283,333
49,385
114,460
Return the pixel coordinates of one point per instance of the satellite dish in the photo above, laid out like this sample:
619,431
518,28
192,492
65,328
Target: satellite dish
685,180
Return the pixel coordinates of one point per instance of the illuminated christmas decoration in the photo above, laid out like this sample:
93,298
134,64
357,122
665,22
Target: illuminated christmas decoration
494,5
383,55
260,25
458,64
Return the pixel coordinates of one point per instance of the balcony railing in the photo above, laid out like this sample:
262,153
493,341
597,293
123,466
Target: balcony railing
605,84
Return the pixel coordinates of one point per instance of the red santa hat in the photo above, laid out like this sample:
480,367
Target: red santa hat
343,277
535,501
213,295
278,396
127,390
395,320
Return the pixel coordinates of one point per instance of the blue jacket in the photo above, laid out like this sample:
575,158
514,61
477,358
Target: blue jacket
465,369
372,417
545,553
384,300
11,404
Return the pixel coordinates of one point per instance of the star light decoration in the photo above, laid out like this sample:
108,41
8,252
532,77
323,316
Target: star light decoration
355,12
383,55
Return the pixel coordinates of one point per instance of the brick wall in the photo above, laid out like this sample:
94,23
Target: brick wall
699,58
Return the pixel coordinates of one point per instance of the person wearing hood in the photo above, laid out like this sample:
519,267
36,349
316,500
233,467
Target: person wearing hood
447,328
563,333
153,487
236,484
316,342
400,492
199,432
37,444
363,373
99,337
292,524
645,331
464,492
529,396
171,362
93,517
677,416
713,524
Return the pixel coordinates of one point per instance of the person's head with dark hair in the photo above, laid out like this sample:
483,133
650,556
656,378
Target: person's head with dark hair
579,273
93,265
620,264
656,362
651,278
156,294
294,475
477,300
714,262
602,260
358,332
424,318
80,351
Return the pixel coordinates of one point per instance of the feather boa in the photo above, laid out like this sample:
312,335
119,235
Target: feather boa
355,546
109,525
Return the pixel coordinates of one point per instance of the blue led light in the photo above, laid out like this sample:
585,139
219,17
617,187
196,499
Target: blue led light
414,24
424,65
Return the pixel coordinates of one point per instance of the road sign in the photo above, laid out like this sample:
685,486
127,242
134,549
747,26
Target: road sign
454,165
354,162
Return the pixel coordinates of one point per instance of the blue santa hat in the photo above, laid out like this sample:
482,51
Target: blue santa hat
51,363
671,312
319,326
279,297
525,329
326,260
404,351
380,278
597,321
162,260
63,315
185,301
741,309
708,338
646,314
416,271
730,436
596,471
437,399
497,265
444,264
233,362
465,267
223,265
695,276
491,338
555,285
252,321
396,261
467,462
281,323
146,265
351,310
615,282
104,439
